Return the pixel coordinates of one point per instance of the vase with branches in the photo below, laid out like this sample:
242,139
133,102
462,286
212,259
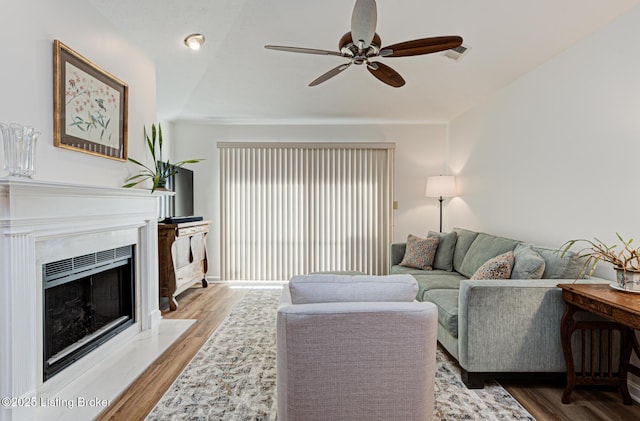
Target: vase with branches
161,171
623,256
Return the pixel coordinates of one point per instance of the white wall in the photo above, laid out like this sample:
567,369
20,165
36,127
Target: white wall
420,152
26,82
554,155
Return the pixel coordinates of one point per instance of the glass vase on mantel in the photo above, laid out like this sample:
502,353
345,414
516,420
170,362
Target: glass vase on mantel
161,184
19,146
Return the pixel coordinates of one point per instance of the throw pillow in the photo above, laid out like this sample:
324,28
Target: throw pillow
446,247
557,267
483,248
497,268
528,263
464,241
420,252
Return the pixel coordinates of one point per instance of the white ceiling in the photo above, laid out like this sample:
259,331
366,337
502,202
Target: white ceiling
234,79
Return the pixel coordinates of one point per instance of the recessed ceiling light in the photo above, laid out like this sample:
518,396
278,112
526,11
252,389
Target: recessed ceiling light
194,41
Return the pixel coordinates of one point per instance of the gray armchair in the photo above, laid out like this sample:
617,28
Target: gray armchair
355,348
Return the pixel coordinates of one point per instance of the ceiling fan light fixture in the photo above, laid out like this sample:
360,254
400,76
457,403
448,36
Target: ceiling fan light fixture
194,41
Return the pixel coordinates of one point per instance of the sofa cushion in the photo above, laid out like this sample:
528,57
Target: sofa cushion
447,302
464,241
528,264
307,289
420,252
442,280
397,269
446,248
568,267
499,267
484,248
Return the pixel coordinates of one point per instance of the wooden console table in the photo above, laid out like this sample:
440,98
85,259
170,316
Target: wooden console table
622,309
182,258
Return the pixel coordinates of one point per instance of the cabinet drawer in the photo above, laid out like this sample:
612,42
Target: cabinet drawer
592,305
190,273
186,231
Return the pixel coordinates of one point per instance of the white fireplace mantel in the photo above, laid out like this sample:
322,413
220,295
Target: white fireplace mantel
37,216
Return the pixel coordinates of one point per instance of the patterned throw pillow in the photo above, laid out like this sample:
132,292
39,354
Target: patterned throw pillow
420,252
497,268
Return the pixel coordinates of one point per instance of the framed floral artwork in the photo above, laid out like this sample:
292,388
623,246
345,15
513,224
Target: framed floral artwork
90,106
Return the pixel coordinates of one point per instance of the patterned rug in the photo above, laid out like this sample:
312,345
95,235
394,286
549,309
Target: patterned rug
233,376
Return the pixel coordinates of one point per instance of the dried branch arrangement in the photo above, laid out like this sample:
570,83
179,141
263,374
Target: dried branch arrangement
625,258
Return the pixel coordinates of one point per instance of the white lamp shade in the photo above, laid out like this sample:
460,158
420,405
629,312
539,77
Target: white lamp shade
441,186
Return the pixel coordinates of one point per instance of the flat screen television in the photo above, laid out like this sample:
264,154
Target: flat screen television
180,204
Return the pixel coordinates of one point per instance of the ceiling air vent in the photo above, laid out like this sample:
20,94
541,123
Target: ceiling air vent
457,53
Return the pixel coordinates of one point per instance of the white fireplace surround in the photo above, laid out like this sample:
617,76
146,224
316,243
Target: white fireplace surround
41,222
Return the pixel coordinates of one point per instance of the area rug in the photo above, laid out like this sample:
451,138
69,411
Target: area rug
233,376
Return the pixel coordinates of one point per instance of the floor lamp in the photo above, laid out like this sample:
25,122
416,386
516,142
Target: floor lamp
441,186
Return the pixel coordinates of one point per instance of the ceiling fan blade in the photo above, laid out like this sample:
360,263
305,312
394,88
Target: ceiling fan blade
363,22
331,73
385,74
303,50
423,46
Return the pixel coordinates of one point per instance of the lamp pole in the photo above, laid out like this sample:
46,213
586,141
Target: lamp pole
441,186
440,199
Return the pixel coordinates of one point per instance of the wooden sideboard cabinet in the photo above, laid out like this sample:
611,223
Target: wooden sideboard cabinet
182,257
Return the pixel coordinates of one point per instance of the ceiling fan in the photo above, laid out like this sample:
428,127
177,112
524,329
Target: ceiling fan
362,44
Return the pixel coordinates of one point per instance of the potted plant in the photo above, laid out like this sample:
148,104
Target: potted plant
161,170
625,259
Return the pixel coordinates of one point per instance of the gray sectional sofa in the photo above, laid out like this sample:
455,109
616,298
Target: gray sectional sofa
496,328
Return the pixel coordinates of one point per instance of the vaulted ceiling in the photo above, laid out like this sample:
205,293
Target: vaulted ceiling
233,78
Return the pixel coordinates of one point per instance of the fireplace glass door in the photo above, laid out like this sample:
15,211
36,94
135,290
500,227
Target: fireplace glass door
87,300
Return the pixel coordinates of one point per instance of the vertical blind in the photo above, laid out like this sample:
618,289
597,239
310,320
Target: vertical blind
290,209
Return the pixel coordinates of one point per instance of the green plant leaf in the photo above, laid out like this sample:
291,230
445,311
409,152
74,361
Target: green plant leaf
138,176
128,186
141,164
160,139
188,161
160,170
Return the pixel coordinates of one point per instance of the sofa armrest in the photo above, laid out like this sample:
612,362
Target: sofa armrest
397,253
512,325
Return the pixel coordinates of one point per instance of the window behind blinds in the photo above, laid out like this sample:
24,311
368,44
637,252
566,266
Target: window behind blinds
289,209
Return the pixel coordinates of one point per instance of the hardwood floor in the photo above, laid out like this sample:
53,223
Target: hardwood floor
542,400
209,306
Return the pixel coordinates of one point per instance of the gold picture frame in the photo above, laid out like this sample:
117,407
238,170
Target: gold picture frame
90,106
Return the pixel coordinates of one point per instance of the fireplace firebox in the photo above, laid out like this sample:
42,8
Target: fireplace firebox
88,300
